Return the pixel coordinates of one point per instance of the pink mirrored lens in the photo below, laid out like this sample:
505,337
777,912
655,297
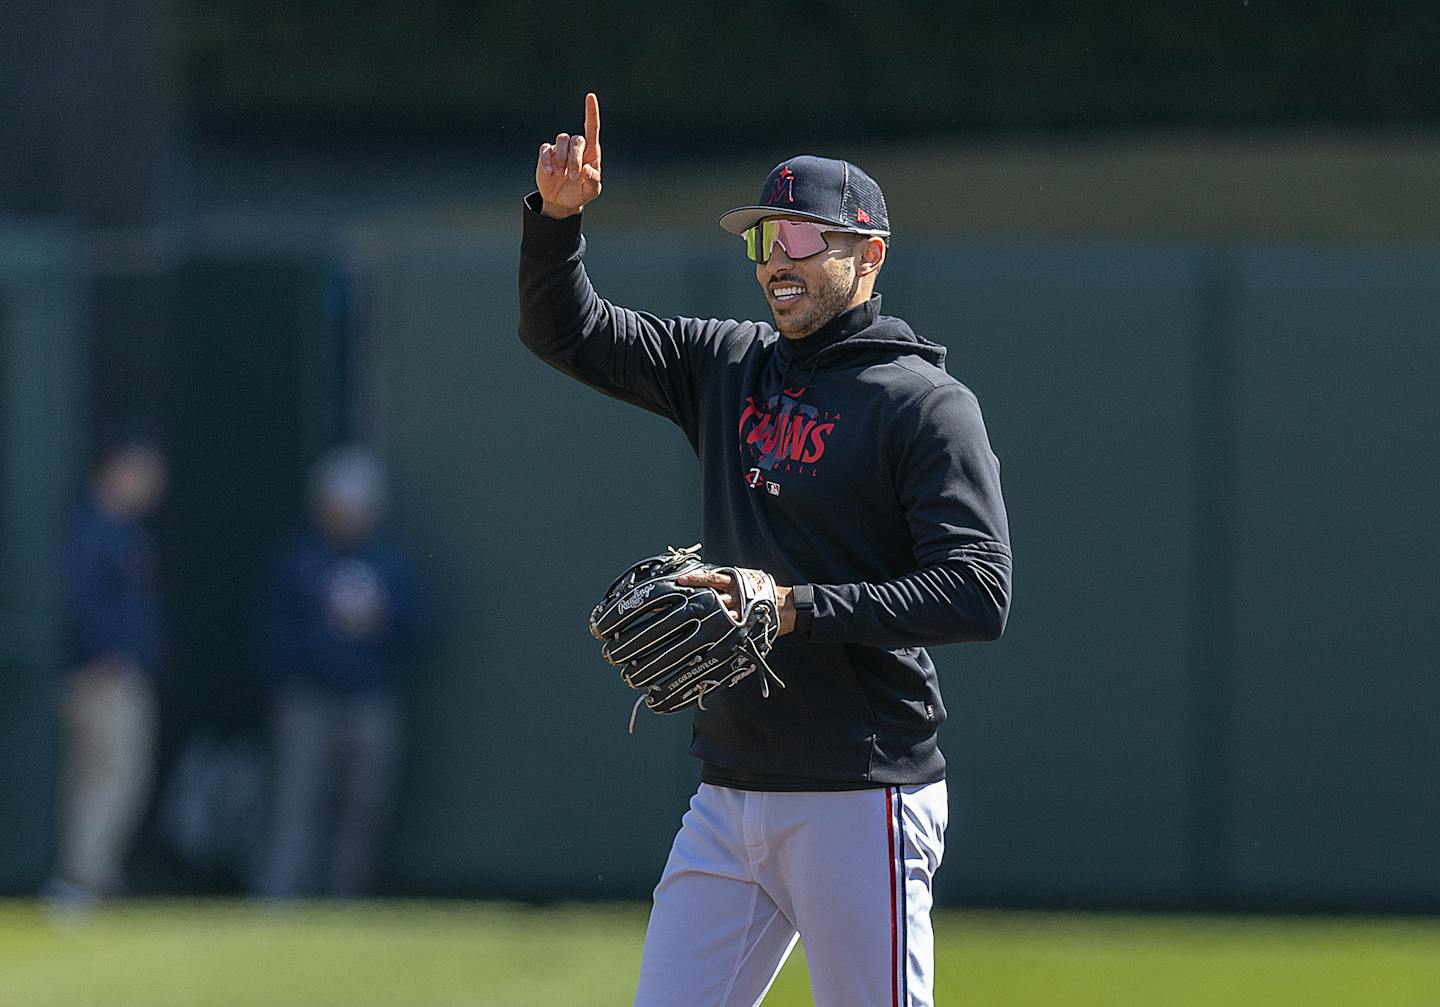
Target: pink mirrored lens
799,239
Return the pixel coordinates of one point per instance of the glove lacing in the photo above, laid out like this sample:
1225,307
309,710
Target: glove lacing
750,652
749,649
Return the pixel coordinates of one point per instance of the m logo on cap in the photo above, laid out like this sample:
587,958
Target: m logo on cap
784,188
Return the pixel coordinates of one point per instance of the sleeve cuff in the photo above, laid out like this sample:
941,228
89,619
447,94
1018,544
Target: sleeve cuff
544,238
802,596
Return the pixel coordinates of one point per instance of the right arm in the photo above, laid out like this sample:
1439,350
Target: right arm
631,355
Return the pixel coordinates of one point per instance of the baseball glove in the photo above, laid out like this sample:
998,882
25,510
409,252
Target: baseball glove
678,643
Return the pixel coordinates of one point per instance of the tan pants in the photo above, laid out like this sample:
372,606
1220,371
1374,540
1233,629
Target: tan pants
109,723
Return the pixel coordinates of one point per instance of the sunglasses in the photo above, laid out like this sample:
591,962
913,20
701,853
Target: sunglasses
800,239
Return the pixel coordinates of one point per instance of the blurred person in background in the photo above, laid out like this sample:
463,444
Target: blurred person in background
337,609
113,634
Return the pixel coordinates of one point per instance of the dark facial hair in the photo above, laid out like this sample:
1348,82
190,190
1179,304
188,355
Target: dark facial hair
829,300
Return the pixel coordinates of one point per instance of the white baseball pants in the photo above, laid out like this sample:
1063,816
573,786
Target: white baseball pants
848,872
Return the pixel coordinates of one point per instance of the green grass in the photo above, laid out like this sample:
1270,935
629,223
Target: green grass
226,954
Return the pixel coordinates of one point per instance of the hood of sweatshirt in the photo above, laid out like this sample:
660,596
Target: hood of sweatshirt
854,335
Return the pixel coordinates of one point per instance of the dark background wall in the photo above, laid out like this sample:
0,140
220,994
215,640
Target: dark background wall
1187,261
42,395
1212,687
699,72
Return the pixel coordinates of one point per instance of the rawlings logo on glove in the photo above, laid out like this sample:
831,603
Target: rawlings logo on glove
678,643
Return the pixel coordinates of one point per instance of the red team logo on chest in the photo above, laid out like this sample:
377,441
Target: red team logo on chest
783,434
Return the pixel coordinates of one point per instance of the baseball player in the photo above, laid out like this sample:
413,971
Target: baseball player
839,458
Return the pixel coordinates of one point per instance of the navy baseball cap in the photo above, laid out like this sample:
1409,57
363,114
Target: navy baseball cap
822,189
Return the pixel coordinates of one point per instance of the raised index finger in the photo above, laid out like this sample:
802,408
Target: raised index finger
592,124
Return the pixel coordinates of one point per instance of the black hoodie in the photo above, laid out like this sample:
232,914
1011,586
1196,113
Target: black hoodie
848,464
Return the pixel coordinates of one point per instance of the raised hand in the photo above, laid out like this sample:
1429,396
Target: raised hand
567,172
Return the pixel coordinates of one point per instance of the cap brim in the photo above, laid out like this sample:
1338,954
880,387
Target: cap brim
742,218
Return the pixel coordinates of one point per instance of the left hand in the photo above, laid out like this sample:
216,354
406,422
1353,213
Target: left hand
724,585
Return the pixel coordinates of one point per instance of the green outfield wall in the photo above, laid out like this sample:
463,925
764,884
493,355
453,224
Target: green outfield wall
42,397
1220,665
1220,460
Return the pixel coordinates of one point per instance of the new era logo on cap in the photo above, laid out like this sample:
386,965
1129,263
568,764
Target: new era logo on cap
823,189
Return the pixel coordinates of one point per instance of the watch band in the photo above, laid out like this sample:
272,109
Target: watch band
802,596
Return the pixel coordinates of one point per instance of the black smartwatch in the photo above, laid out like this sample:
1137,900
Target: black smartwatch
802,596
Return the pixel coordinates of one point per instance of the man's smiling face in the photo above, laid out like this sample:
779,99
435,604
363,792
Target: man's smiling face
806,293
